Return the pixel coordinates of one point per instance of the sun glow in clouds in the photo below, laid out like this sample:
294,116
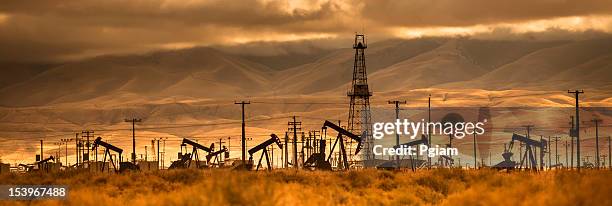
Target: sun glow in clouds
3,18
574,24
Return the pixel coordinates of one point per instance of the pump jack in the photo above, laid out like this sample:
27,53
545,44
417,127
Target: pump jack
216,155
529,153
423,141
263,146
186,159
341,132
123,166
43,166
317,160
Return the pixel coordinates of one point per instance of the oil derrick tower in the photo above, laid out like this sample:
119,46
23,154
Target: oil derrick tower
359,119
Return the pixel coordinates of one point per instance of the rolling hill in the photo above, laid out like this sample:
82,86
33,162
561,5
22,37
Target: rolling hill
393,65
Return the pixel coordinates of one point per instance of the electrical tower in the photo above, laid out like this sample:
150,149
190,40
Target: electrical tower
359,119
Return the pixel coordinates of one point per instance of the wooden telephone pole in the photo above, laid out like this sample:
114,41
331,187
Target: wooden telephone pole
577,93
242,103
133,121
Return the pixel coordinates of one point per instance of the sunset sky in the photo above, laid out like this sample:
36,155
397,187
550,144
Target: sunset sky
58,30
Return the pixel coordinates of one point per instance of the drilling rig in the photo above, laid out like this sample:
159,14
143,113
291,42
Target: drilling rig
109,147
263,146
185,160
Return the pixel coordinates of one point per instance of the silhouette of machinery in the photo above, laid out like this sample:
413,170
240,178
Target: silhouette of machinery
318,160
216,154
123,166
423,141
263,146
185,160
529,154
43,165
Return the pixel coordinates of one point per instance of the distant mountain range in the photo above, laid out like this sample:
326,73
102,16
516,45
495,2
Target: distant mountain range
392,65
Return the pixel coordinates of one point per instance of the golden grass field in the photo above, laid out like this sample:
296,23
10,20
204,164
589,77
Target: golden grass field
366,187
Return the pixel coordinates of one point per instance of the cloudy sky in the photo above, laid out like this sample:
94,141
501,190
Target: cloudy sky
57,30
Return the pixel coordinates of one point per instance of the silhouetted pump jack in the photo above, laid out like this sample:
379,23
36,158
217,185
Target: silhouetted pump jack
123,166
43,166
317,160
341,132
422,141
216,154
186,159
528,153
263,146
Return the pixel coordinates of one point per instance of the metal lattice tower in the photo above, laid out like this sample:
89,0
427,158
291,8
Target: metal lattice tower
359,119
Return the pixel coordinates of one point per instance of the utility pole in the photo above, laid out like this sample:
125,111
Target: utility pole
41,150
66,141
542,154
221,143
133,121
596,121
475,158
566,155
59,150
556,139
572,135
549,153
229,145
295,128
242,103
158,153
286,148
87,134
146,154
577,93
397,142
528,128
76,139
609,154
429,132
164,153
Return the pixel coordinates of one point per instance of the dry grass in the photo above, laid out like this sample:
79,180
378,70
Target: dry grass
368,187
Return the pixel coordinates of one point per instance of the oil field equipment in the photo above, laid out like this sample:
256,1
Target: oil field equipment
185,160
317,160
528,155
42,165
263,146
414,164
123,166
507,164
217,160
341,131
